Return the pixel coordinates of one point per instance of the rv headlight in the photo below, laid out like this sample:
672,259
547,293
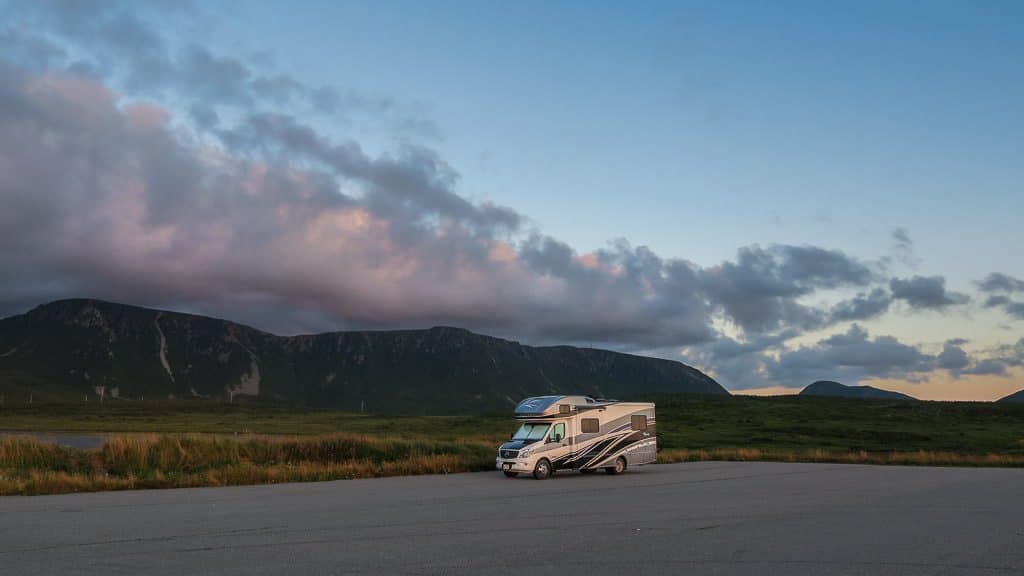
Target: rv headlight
524,453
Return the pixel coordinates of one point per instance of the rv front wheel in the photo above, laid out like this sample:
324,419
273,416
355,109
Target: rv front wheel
618,468
542,470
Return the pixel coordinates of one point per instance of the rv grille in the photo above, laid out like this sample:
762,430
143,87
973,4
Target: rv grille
509,453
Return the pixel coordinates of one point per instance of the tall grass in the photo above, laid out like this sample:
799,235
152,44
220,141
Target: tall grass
28,466
909,458
170,461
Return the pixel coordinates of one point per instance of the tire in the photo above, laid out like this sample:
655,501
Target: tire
542,470
509,474
618,468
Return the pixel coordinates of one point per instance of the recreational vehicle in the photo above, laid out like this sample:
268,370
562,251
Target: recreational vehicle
578,433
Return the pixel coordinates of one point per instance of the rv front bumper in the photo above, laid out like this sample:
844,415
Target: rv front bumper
512,465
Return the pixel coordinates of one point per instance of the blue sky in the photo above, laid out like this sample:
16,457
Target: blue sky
756,122
886,136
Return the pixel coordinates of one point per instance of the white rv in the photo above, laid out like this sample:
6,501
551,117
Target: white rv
578,433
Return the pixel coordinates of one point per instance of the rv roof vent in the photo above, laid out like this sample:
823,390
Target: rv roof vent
564,408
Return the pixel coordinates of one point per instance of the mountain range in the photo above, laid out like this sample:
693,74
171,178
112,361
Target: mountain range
82,348
830,388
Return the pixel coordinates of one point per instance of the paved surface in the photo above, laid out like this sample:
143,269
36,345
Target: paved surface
700,518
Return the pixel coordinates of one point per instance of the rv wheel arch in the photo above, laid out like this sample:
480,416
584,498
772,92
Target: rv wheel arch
618,468
543,469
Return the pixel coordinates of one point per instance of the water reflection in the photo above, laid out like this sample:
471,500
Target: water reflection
69,439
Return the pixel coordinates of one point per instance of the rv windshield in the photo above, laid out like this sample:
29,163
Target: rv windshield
531,431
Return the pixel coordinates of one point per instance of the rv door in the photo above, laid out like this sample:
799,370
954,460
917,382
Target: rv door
570,434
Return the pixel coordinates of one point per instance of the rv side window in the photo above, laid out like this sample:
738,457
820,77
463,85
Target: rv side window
638,422
590,425
558,432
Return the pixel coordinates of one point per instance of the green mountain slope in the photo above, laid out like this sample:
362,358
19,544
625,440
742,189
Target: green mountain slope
74,349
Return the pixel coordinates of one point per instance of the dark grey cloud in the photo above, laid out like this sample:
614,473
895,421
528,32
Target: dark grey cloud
215,78
850,357
863,306
740,364
988,367
1015,309
278,88
989,363
204,116
926,293
760,290
998,282
953,357
998,361
1002,290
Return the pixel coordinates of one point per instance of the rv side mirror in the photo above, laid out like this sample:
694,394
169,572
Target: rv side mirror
511,435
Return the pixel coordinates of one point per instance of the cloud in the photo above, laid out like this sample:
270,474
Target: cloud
903,248
999,360
997,282
137,214
415,184
122,43
850,357
760,290
996,363
863,306
218,79
368,240
283,219
988,367
1001,288
1015,309
953,357
926,293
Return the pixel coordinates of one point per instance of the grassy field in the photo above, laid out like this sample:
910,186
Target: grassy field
196,417
189,444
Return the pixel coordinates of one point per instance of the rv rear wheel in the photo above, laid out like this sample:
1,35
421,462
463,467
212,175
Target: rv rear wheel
618,468
510,474
542,470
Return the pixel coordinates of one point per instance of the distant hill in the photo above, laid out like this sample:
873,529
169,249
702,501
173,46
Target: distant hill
1015,398
71,349
829,388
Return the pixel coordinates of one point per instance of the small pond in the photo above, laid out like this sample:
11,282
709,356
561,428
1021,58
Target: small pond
70,439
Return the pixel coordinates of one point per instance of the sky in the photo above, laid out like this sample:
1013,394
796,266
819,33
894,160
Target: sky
775,193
